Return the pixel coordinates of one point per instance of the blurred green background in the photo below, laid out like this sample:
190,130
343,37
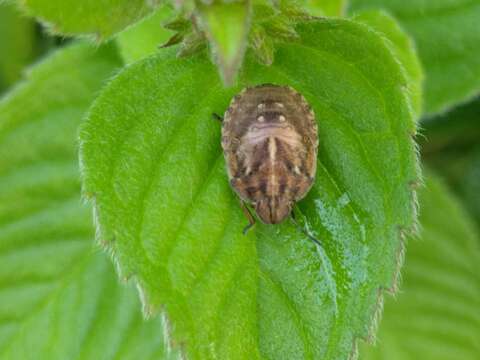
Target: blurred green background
22,42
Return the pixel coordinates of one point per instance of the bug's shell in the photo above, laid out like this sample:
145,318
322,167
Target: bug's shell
270,141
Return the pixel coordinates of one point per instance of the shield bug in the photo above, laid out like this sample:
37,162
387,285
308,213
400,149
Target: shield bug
270,141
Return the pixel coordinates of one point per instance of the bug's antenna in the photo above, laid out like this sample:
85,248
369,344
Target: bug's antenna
303,230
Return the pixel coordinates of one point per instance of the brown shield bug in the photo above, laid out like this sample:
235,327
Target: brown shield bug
270,141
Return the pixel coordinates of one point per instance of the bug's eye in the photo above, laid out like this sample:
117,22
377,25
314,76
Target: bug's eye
261,118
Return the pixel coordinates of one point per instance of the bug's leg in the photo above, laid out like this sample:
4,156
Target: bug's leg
248,214
215,116
302,229
294,217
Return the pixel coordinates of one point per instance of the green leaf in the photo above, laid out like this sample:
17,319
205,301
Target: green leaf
447,37
152,162
403,49
144,39
226,25
98,18
17,36
60,299
436,315
271,25
262,45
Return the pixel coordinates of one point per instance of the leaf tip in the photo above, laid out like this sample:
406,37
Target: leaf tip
226,27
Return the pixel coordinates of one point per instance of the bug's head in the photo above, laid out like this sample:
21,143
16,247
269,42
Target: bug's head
271,113
272,210
271,118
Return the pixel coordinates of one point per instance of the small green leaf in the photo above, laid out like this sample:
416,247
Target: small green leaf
281,28
226,25
17,36
152,162
179,23
192,43
436,316
60,299
98,18
403,49
447,37
274,24
144,39
262,45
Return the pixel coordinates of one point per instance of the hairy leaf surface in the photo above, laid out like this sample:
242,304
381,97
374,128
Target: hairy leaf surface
152,162
403,49
447,37
436,315
60,297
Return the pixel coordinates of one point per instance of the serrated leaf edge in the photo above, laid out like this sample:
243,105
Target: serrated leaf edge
403,233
